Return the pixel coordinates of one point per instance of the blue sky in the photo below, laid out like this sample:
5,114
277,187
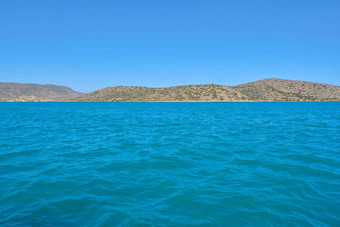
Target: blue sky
89,45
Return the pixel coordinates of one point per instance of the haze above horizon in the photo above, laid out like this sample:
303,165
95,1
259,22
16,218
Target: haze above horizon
89,45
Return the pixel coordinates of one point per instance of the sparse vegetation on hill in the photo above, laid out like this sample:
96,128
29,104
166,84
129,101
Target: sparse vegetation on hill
17,92
289,90
191,93
263,90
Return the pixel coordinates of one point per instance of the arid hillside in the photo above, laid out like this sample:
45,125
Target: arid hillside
191,93
289,90
262,90
17,92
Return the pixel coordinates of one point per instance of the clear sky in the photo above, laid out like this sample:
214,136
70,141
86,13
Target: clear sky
88,45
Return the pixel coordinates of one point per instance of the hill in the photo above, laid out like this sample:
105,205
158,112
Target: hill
262,90
289,90
190,93
18,92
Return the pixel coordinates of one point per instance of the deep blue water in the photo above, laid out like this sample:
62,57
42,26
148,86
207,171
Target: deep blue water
170,164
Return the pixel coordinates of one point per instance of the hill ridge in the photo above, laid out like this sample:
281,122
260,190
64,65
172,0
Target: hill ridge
30,92
289,90
272,89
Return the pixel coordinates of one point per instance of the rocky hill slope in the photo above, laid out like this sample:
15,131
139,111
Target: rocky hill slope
289,90
263,90
191,93
17,92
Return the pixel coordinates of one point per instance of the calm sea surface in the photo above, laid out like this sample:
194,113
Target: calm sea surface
170,164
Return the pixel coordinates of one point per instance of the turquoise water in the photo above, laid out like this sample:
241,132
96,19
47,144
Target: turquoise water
170,164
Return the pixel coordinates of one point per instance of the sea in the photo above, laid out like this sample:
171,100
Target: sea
170,164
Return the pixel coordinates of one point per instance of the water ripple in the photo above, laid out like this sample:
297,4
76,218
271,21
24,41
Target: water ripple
170,164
